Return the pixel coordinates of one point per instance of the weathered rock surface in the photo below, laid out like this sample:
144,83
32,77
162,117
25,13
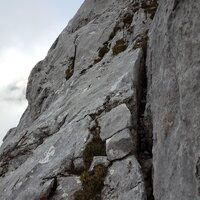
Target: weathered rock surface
124,181
115,121
99,160
119,145
173,65
114,77
86,87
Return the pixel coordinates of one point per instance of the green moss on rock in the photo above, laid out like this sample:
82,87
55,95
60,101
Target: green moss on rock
94,148
103,50
127,19
92,183
150,7
69,72
119,47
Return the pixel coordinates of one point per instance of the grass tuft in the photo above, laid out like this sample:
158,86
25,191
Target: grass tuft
94,148
92,183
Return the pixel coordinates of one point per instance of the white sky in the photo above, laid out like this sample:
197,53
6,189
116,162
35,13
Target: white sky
27,30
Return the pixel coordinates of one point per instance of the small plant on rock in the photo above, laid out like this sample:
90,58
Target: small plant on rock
94,148
150,7
127,19
92,183
103,50
119,47
70,69
69,72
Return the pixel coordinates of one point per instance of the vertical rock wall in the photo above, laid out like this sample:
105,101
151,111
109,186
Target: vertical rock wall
173,72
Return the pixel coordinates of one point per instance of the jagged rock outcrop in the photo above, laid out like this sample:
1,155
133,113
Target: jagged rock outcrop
121,79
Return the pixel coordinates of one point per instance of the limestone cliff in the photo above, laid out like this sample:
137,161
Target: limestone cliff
113,109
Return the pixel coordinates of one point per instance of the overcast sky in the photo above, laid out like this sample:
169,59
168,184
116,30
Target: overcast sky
27,30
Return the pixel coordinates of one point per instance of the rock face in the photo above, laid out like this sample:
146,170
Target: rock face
175,99
121,79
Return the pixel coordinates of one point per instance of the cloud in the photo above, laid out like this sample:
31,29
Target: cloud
24,22
10,115
14,92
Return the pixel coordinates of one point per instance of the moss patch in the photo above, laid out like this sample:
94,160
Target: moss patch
150,8
96,61
69,72
94,148
103,50
92,183
70,69
127,19
119,47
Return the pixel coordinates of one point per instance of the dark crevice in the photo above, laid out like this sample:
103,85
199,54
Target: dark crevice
175,5
75,51
144,130
53,190
72,61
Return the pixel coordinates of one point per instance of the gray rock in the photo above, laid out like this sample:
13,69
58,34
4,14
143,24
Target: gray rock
119,145
99,160
79,164
104,95
66,188
53,158
56,126
174,91
9,134
124,181
114,121
47,188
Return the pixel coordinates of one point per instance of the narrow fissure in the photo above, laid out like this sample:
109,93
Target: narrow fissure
75,51
72,60
53,190
144,130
